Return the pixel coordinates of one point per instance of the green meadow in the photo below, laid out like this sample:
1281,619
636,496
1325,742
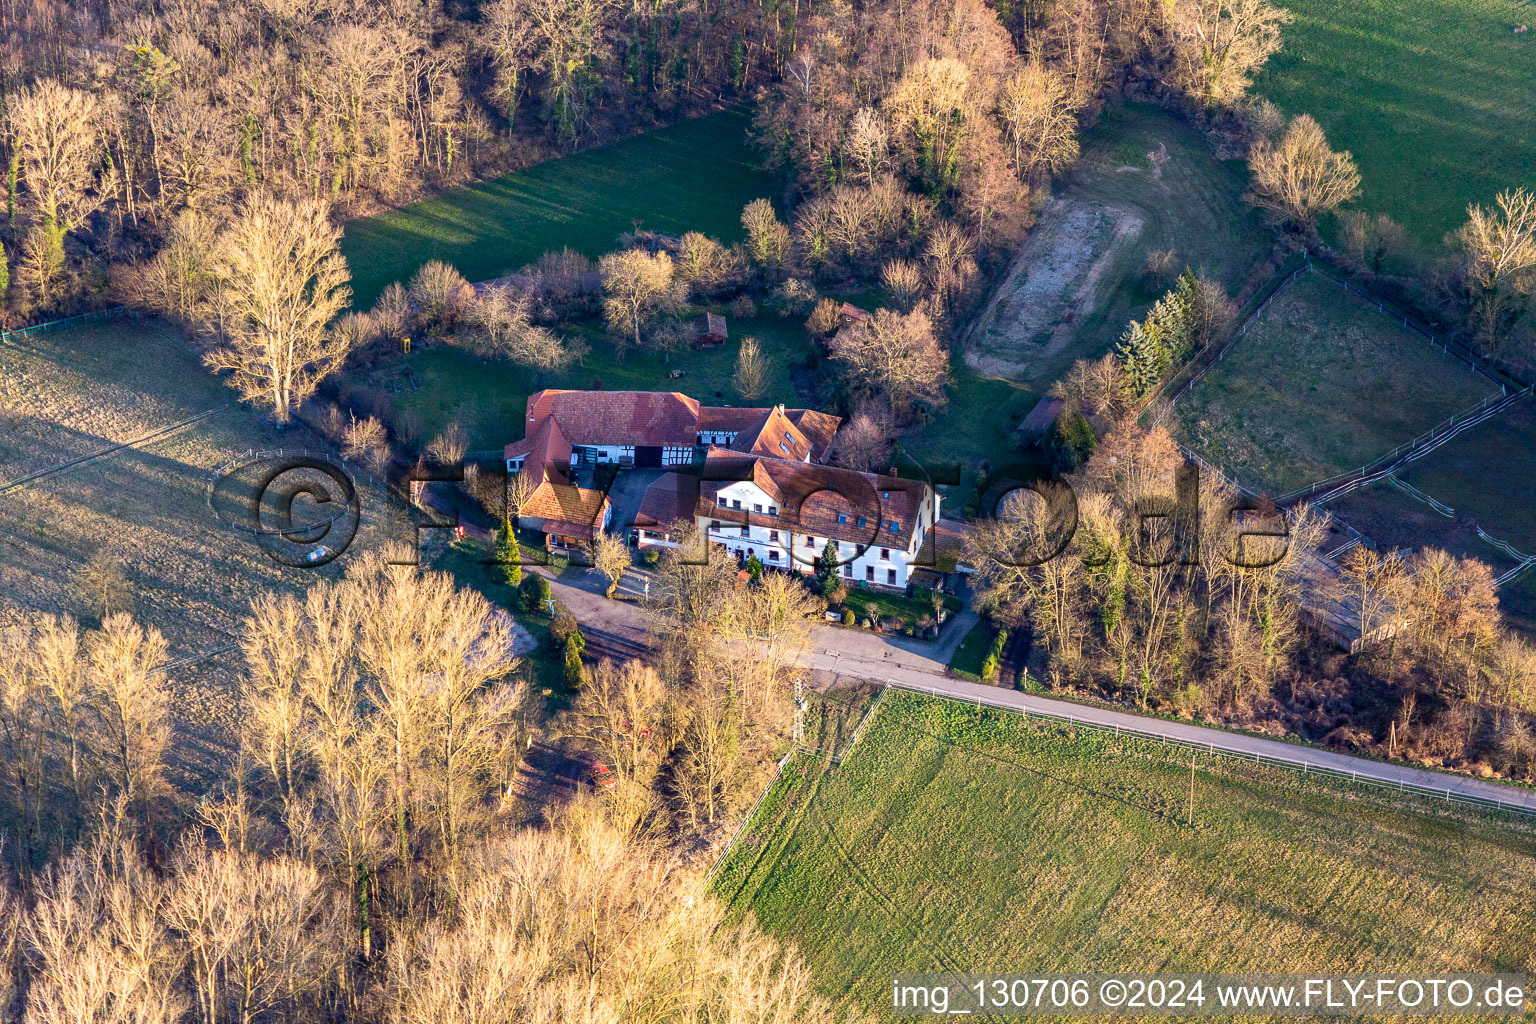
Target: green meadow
1433,97
692,176
959,839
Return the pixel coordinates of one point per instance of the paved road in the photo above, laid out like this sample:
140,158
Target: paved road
914,665
890,671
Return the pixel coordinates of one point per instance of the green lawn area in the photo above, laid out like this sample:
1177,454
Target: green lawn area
954,838
889,605
1321,383
973,651
1433,97
490,396
1488,475
692,176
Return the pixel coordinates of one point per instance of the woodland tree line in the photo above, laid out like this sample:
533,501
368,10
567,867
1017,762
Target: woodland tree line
358,861
361,858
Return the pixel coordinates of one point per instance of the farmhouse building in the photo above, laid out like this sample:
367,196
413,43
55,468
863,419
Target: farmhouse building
785,511
574,430
751,479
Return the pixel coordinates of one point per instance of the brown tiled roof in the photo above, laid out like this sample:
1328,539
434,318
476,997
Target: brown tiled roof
547,445
566,510
818,427
853,312
672,498
812,498
724,417
759,431
777,438
1042,416
663,418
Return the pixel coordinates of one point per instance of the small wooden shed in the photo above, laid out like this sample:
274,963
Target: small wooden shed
850,315
1040,418
709,331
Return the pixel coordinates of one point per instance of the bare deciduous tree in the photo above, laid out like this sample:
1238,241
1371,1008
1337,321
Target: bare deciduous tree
1498,254
511,333
768,239
611,557
1300,177
751,377
282,280
904,280
55,133
366,441
132,709
896,356
1219,44
639,287
864,442
1040,118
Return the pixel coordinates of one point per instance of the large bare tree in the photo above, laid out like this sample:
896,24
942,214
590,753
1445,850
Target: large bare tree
1219,44
55,133
1498,261
896,356
638,288
1300,177
283,280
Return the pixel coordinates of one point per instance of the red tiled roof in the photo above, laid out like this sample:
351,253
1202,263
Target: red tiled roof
818,427
777,438
662,418
724,417
547,446
1042,416
806,433
566,510
671,499
813,497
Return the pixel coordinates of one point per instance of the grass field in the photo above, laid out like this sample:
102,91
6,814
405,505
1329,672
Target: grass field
1433,97
1488,476
1147,181
692,176
1321,383
83,387
489,396
959,839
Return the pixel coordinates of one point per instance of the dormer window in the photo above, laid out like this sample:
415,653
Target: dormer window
784,447
842,520
894,525
722,501
862,521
